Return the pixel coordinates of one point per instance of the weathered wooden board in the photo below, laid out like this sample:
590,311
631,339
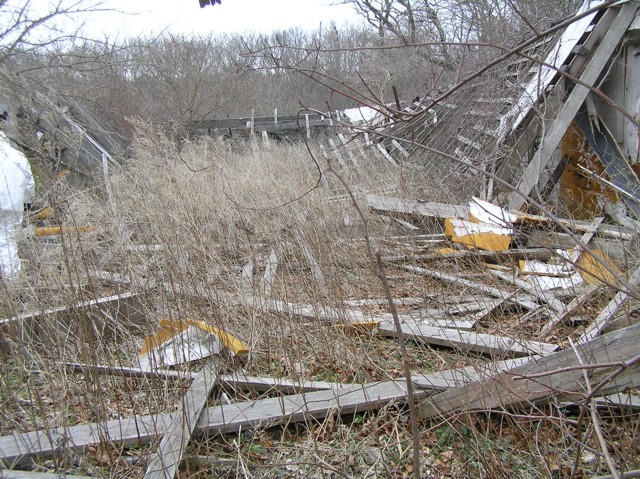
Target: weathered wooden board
469,340
346,316
164,463
523,300
515,387
21,447
542,254
389,204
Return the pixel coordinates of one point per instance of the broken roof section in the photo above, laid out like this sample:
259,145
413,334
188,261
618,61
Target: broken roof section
507,127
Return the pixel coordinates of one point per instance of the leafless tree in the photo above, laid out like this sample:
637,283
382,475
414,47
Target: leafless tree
28,25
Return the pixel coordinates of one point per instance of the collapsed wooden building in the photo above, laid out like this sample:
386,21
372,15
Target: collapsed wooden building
550,140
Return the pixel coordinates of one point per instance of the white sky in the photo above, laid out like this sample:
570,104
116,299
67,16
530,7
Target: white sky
186,16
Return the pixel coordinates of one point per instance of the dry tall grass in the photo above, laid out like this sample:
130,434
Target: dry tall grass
191,230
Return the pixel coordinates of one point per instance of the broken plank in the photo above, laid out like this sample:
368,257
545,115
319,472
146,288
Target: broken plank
558,376
498,293
165,461
388,204
109,314
609,310
469,340
20,448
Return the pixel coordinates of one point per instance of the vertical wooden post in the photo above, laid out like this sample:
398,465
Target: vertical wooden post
275,116
306,121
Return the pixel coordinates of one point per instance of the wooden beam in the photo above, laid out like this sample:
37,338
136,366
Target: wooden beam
7,474
165,461
468,340
109,312
556,376
576,98
586,237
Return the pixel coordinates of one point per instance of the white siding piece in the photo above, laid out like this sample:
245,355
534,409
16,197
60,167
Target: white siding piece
490,213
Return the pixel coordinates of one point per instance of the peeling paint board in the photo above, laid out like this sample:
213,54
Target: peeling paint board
164,463
472,307
399,147
473,144
569,109
237,380
469,341
516,387
337,153
345,143
390,204
232,418
586,237
7,474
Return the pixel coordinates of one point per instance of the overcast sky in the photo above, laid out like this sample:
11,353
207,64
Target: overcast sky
186,16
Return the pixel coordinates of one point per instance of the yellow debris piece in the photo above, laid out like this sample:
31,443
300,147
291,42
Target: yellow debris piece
43,214
170,328
590,265
489,240
57,230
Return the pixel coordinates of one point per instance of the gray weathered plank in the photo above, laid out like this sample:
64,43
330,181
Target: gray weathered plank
573,103
516,387
408,206
522,300
7,474
469,340
237,380
165,461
